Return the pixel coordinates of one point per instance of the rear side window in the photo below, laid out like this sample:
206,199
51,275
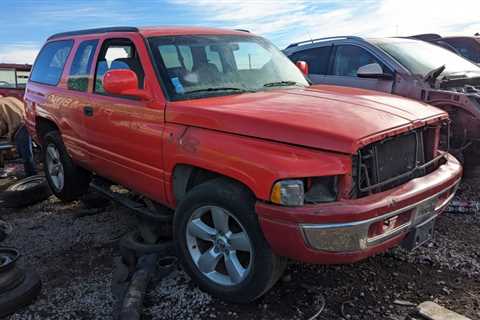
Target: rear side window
50,62
81,66
317,59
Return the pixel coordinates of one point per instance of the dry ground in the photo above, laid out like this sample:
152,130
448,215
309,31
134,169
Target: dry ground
73,255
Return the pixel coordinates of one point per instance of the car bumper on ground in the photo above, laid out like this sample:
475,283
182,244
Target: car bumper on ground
351,230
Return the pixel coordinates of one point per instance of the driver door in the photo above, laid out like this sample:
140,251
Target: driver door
124,132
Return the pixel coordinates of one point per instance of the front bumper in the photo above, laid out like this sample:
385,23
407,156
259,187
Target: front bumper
350,230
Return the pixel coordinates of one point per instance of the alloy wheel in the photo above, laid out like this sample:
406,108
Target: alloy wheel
219,245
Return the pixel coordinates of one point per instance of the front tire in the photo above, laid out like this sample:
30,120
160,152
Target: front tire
221,245
67,181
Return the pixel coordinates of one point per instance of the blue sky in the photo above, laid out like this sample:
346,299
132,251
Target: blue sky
26,24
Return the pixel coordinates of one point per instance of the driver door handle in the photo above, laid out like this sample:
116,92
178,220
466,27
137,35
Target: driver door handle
88,111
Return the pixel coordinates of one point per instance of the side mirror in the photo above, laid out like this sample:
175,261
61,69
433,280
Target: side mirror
303,66
123,82
373,71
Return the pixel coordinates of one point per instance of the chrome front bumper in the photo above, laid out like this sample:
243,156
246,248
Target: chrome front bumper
355,236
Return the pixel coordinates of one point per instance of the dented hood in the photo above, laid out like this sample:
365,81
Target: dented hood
331,118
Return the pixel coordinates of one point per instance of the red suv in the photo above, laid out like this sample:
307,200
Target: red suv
258,165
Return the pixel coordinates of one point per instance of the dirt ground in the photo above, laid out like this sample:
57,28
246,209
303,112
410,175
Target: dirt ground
73,253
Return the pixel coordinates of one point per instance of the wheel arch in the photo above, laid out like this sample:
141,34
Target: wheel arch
187,176
44,126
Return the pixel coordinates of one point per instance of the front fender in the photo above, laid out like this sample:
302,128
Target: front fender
254,162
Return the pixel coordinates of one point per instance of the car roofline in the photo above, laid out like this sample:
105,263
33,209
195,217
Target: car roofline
312,41
92,31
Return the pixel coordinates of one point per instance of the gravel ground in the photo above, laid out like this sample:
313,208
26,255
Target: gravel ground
73,253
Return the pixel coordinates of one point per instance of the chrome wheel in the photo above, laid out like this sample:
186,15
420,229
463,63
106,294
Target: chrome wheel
219,245
55,167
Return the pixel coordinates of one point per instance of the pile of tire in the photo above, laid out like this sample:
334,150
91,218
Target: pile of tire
18,287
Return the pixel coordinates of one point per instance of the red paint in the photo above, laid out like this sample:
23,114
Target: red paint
281,225
255,138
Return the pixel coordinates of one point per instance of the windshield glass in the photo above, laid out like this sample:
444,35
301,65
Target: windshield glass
202,66
421,57
467,47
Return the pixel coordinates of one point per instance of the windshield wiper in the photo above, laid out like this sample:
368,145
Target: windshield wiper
283,84
213,89
432,75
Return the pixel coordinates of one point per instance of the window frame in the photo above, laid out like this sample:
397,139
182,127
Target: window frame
102,50
72,43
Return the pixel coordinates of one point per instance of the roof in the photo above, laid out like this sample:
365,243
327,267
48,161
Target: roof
21,67
151,31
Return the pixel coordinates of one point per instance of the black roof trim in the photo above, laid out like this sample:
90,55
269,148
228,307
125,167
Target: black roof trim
93,31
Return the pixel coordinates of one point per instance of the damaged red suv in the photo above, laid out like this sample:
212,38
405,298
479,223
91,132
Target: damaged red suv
258,165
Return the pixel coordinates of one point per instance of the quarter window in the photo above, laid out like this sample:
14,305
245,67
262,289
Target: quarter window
50,62
349,58
81,65
317,59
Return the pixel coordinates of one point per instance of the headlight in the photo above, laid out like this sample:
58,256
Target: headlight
288,193
296,192
322,189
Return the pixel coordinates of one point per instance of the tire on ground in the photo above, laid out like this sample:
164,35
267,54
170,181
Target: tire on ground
76,179
265,268
132,247
26,192
20,296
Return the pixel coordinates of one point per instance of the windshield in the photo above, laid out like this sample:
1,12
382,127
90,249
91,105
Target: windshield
201,66
467,47
421,57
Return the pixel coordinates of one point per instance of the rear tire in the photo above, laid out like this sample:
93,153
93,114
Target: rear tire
245,267
67,180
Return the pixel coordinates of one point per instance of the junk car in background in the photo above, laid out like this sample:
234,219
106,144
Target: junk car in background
406,67
13,79
467,47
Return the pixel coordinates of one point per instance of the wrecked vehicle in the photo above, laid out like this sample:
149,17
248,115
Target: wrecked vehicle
13,79
467,47
258,165
406,67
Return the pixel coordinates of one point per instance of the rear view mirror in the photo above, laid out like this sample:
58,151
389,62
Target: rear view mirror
123,82
374,71
303,66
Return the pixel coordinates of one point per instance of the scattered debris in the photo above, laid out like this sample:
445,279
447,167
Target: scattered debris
467,207
404,303
321,302
433,311
141,262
